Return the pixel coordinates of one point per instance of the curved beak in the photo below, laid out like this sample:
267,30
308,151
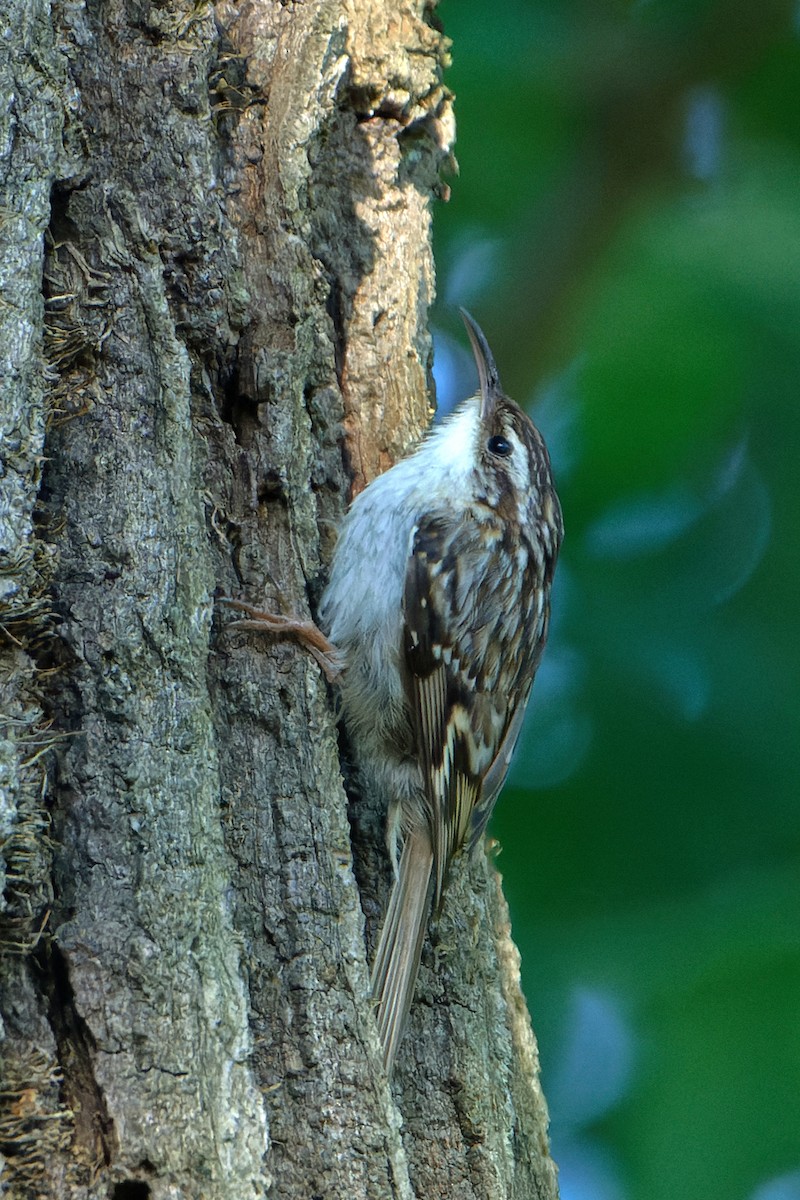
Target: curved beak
484,360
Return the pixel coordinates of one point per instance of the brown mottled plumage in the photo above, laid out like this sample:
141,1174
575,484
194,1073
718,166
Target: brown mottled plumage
438,603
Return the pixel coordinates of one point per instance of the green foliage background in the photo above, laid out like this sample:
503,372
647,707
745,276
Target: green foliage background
626,228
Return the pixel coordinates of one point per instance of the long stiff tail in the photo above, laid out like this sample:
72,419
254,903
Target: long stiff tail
394,974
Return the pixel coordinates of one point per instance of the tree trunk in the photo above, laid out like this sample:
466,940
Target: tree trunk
216,271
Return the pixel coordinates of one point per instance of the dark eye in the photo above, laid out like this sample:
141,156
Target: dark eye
499,445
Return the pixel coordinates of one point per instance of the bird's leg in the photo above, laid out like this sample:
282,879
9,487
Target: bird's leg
306,632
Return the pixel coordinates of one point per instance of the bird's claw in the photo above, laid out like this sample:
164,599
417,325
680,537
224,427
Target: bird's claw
306,632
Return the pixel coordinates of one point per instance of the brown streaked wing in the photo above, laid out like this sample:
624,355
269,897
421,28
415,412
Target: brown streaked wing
495,777
439,694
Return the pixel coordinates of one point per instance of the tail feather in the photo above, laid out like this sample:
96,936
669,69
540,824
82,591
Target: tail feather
394,974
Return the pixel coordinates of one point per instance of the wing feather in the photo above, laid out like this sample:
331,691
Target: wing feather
451,727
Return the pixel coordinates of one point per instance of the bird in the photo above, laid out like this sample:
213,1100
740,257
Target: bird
436,613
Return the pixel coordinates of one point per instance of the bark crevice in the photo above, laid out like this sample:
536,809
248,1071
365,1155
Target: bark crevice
94,1138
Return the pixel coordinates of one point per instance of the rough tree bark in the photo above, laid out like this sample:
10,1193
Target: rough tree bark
216,270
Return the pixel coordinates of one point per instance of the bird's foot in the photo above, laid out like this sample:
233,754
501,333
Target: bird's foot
307,634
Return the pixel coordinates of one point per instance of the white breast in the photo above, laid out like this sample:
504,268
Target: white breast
364,595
